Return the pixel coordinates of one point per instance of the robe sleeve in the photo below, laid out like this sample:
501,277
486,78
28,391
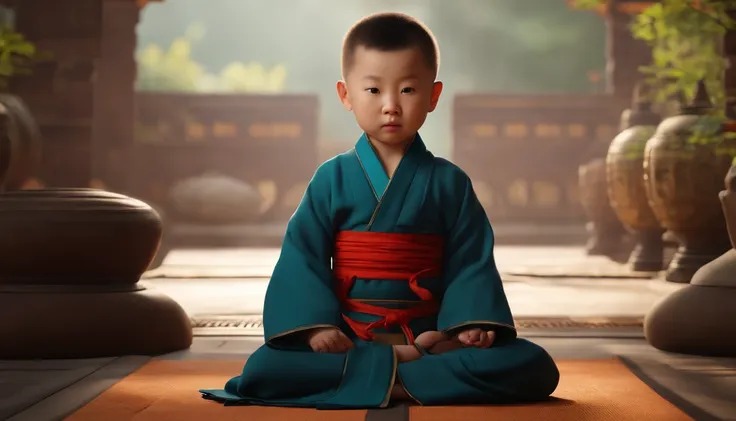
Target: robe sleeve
474,294
300,293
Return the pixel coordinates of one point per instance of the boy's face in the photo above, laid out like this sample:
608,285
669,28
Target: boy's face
390,93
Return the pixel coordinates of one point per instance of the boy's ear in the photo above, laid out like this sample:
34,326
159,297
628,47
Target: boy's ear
435,97
342,93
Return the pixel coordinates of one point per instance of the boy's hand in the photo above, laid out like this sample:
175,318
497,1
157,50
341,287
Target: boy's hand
478,338
329,339
430,338
436,342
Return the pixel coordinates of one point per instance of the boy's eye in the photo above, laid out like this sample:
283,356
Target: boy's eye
407,90
372,90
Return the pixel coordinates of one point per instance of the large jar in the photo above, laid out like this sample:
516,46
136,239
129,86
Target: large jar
684,165
606,234
626,191
70,261
70,236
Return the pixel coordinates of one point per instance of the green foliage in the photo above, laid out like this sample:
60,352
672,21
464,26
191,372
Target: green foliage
170,70
176,70
685,37
686,47
709,129
706,129
253,77
16,55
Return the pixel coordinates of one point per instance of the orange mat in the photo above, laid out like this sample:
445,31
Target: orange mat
162,390
589,390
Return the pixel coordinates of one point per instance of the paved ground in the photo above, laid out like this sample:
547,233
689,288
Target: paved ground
705,388
234,281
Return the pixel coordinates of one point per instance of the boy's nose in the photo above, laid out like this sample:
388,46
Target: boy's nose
391,108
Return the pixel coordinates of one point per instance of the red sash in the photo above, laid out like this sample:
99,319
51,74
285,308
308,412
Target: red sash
403,257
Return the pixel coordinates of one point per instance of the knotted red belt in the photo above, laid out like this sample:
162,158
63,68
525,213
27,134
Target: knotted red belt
386,256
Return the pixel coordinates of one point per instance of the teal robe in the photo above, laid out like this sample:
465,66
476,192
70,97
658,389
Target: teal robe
426,195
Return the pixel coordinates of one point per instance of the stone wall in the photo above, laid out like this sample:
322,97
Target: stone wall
83,95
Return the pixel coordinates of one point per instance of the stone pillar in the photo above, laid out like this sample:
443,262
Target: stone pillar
624,53
60,91
114,95
83,95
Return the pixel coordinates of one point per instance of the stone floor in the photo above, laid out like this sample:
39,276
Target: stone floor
222,282
234,282
50,390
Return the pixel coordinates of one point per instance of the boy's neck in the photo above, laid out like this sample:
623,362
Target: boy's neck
390,155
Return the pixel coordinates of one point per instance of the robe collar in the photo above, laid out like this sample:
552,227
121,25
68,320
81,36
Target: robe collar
373,168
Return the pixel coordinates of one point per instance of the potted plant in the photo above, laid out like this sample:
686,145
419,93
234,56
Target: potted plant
689,154
684,165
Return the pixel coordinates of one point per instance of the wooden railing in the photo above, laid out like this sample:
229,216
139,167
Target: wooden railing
523,152
267,141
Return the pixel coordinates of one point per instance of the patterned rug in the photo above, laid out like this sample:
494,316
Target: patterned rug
252,325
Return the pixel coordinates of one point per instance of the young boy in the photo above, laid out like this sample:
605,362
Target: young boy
386,287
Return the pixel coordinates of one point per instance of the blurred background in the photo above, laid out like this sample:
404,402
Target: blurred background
293,46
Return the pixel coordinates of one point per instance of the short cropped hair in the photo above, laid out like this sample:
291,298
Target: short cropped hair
390,32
